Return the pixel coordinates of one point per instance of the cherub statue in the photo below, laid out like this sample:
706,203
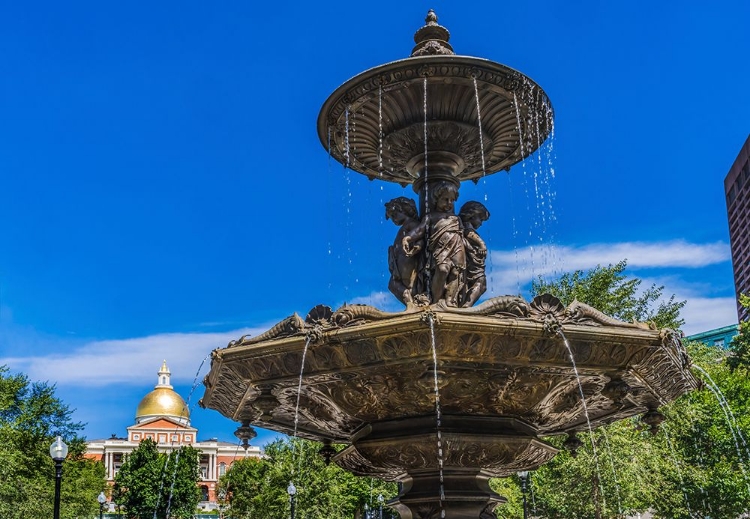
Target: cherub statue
445,243
404,267
473,214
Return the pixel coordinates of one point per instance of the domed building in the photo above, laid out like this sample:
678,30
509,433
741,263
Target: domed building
162,402
163,416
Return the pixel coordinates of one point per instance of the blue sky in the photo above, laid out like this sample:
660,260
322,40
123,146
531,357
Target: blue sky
163,189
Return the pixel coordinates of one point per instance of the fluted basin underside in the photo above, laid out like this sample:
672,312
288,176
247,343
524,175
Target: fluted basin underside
504,374
375,123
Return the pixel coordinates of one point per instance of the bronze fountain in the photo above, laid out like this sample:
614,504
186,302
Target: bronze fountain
500,370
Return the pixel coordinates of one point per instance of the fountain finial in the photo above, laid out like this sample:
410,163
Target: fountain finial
432,39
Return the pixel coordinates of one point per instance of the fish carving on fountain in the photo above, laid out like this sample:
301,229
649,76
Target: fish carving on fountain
503,366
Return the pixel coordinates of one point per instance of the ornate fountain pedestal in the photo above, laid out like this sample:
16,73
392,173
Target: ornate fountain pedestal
504,378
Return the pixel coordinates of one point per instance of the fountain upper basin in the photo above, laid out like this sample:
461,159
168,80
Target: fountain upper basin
375,122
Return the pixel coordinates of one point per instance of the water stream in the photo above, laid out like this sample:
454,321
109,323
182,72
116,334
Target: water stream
346,137
479,122
538,174
612,467
426,184
437,412
162,478
731,423
586,414
308,339
724,404
677,467
521,149
380,130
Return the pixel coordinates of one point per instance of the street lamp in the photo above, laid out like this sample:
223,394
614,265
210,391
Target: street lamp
57,451
524,476
291,490
380,502
102,499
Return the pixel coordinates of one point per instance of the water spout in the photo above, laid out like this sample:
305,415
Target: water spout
438,416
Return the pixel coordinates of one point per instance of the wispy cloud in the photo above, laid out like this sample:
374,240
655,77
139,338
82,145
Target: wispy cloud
706,313
548,259
106,362
510,272
126,361
379,299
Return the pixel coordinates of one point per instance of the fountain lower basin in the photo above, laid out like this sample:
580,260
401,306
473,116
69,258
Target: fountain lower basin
504,375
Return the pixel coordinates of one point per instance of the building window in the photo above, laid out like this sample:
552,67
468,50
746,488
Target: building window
162,438
719,343
204,472
222,468
188,437
175,438
204,493
136,436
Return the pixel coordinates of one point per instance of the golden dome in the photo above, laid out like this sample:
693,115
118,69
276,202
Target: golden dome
162,401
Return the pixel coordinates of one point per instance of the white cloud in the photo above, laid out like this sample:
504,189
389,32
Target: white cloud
134,361
707,313
379,299
127,361
529,263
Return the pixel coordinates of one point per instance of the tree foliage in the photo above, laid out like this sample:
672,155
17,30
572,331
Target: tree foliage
740,345
31,416
697,464
152,484
258,487
609,290
706,436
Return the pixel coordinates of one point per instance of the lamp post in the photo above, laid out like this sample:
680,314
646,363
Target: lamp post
380,502
524,476
57,451
292,491
102,499
222,495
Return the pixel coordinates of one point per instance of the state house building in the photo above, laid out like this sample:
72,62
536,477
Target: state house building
163,417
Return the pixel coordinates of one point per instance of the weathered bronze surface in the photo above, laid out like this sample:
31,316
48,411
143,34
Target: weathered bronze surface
388,103
440,258
505,377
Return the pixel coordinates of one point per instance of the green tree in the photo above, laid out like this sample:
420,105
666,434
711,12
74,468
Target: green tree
609,290
706,437
697,464
30,418
740,345
258,487
155,484
616,469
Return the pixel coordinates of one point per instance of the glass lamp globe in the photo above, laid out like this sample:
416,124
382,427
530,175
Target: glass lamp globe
58,450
